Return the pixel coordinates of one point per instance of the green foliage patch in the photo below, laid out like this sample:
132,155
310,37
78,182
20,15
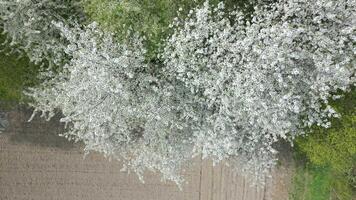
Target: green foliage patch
16,73
319,183
329,172
149,18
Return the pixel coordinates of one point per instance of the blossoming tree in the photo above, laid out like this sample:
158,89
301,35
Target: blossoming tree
229,88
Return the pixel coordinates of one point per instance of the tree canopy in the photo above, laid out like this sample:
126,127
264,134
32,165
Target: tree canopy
227,86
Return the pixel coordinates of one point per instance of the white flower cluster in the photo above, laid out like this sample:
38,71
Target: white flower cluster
28,27
257,82
228,88
111,103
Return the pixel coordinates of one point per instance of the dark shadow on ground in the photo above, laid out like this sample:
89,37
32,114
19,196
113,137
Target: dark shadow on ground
38,131
285,153
3,121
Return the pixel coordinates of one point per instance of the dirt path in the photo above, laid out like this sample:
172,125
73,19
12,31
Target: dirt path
37,165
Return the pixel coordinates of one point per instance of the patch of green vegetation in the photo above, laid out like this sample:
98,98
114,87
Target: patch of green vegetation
150,18
312,182
15,74
320,182
327,157
299,184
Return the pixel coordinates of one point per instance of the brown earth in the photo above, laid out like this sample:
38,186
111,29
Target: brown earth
36,164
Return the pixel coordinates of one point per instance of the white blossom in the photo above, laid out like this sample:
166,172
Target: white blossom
261,81
28,27
229,88
108,101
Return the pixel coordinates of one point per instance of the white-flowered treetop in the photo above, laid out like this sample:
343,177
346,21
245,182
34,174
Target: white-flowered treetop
227,87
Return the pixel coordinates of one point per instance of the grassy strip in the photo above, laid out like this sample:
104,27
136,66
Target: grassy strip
311,183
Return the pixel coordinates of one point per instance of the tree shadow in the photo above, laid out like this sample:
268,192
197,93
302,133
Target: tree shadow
3,122
37,132
285,153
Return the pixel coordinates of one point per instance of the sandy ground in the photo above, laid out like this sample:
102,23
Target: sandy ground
35,164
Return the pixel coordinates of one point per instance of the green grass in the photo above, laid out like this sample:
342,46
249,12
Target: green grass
15,75
320,183
299,187
312,183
